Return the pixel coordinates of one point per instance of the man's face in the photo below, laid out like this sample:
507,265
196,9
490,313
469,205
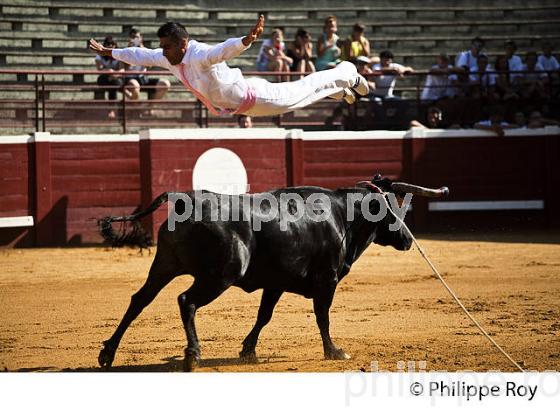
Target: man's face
510,50
135,40
331,26
434,118
386,61
442,62
173,50
246,122
476,47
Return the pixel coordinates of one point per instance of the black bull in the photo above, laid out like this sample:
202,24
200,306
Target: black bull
308,258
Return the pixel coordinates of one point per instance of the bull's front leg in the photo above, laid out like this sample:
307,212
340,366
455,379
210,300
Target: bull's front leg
321,304
268,301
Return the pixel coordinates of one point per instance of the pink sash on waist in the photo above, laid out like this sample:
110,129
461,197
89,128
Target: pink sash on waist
248,102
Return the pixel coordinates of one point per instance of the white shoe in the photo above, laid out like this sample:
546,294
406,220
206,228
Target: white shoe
349,96
361,86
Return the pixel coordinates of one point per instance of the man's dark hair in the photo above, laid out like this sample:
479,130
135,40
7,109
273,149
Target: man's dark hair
302,33
478,40
434,110
109,42
386,54
133,32
511,43
359,28
175,31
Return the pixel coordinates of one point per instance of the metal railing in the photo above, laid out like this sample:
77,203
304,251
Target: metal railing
43,104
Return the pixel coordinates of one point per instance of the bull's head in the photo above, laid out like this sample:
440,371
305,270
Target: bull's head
388,230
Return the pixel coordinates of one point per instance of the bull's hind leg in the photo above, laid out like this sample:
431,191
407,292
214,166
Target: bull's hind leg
162,271
268,301
321,305
201,293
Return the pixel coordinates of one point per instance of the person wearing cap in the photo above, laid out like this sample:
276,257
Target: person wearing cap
364,69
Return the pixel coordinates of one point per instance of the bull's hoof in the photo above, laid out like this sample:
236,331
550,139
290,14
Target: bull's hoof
191,362
249,357
106,356
337,354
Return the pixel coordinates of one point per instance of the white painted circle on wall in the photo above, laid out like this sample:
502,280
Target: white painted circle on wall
220,170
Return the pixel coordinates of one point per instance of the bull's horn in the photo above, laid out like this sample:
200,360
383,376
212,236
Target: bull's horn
403,188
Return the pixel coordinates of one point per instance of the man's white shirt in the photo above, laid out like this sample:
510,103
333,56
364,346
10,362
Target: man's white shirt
203,66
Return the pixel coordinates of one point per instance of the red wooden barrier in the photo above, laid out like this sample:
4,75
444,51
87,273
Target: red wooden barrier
65,182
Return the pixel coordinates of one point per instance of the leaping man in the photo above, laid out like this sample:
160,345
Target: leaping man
203,71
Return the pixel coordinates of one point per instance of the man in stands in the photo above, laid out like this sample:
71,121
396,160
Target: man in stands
495,122
244,121
106,62
440,83
482,79
514,61
388,72
467,59
202,70
135,82
466,62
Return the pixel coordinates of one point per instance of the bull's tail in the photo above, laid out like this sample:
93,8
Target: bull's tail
131,232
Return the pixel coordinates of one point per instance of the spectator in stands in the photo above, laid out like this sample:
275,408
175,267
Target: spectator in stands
387,71
357,45
337,121
504,88
136,82
536,120
482,80
301,52
546,59
465,62
328,52
272,55
520,119
514,61
244,121
108,63
440,83
495,123
535,81
434,119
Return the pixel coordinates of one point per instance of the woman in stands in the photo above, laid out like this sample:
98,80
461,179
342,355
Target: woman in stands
328,53
272,55
301,51
503,85
202,70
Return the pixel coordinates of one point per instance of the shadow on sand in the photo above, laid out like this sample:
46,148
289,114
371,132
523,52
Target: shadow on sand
169,364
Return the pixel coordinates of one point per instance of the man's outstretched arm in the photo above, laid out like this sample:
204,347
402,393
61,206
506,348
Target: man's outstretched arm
132,55
234,46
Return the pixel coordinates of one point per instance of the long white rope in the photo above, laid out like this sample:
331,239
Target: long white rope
454,296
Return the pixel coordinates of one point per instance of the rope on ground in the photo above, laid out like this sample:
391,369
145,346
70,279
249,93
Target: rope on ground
454,296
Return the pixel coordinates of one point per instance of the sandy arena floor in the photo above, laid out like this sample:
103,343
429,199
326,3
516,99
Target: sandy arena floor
58,305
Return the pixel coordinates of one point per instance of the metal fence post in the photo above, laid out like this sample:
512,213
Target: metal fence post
43,97
123,109
37,103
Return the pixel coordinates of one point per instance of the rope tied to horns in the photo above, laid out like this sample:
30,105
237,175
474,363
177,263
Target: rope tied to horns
454,295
